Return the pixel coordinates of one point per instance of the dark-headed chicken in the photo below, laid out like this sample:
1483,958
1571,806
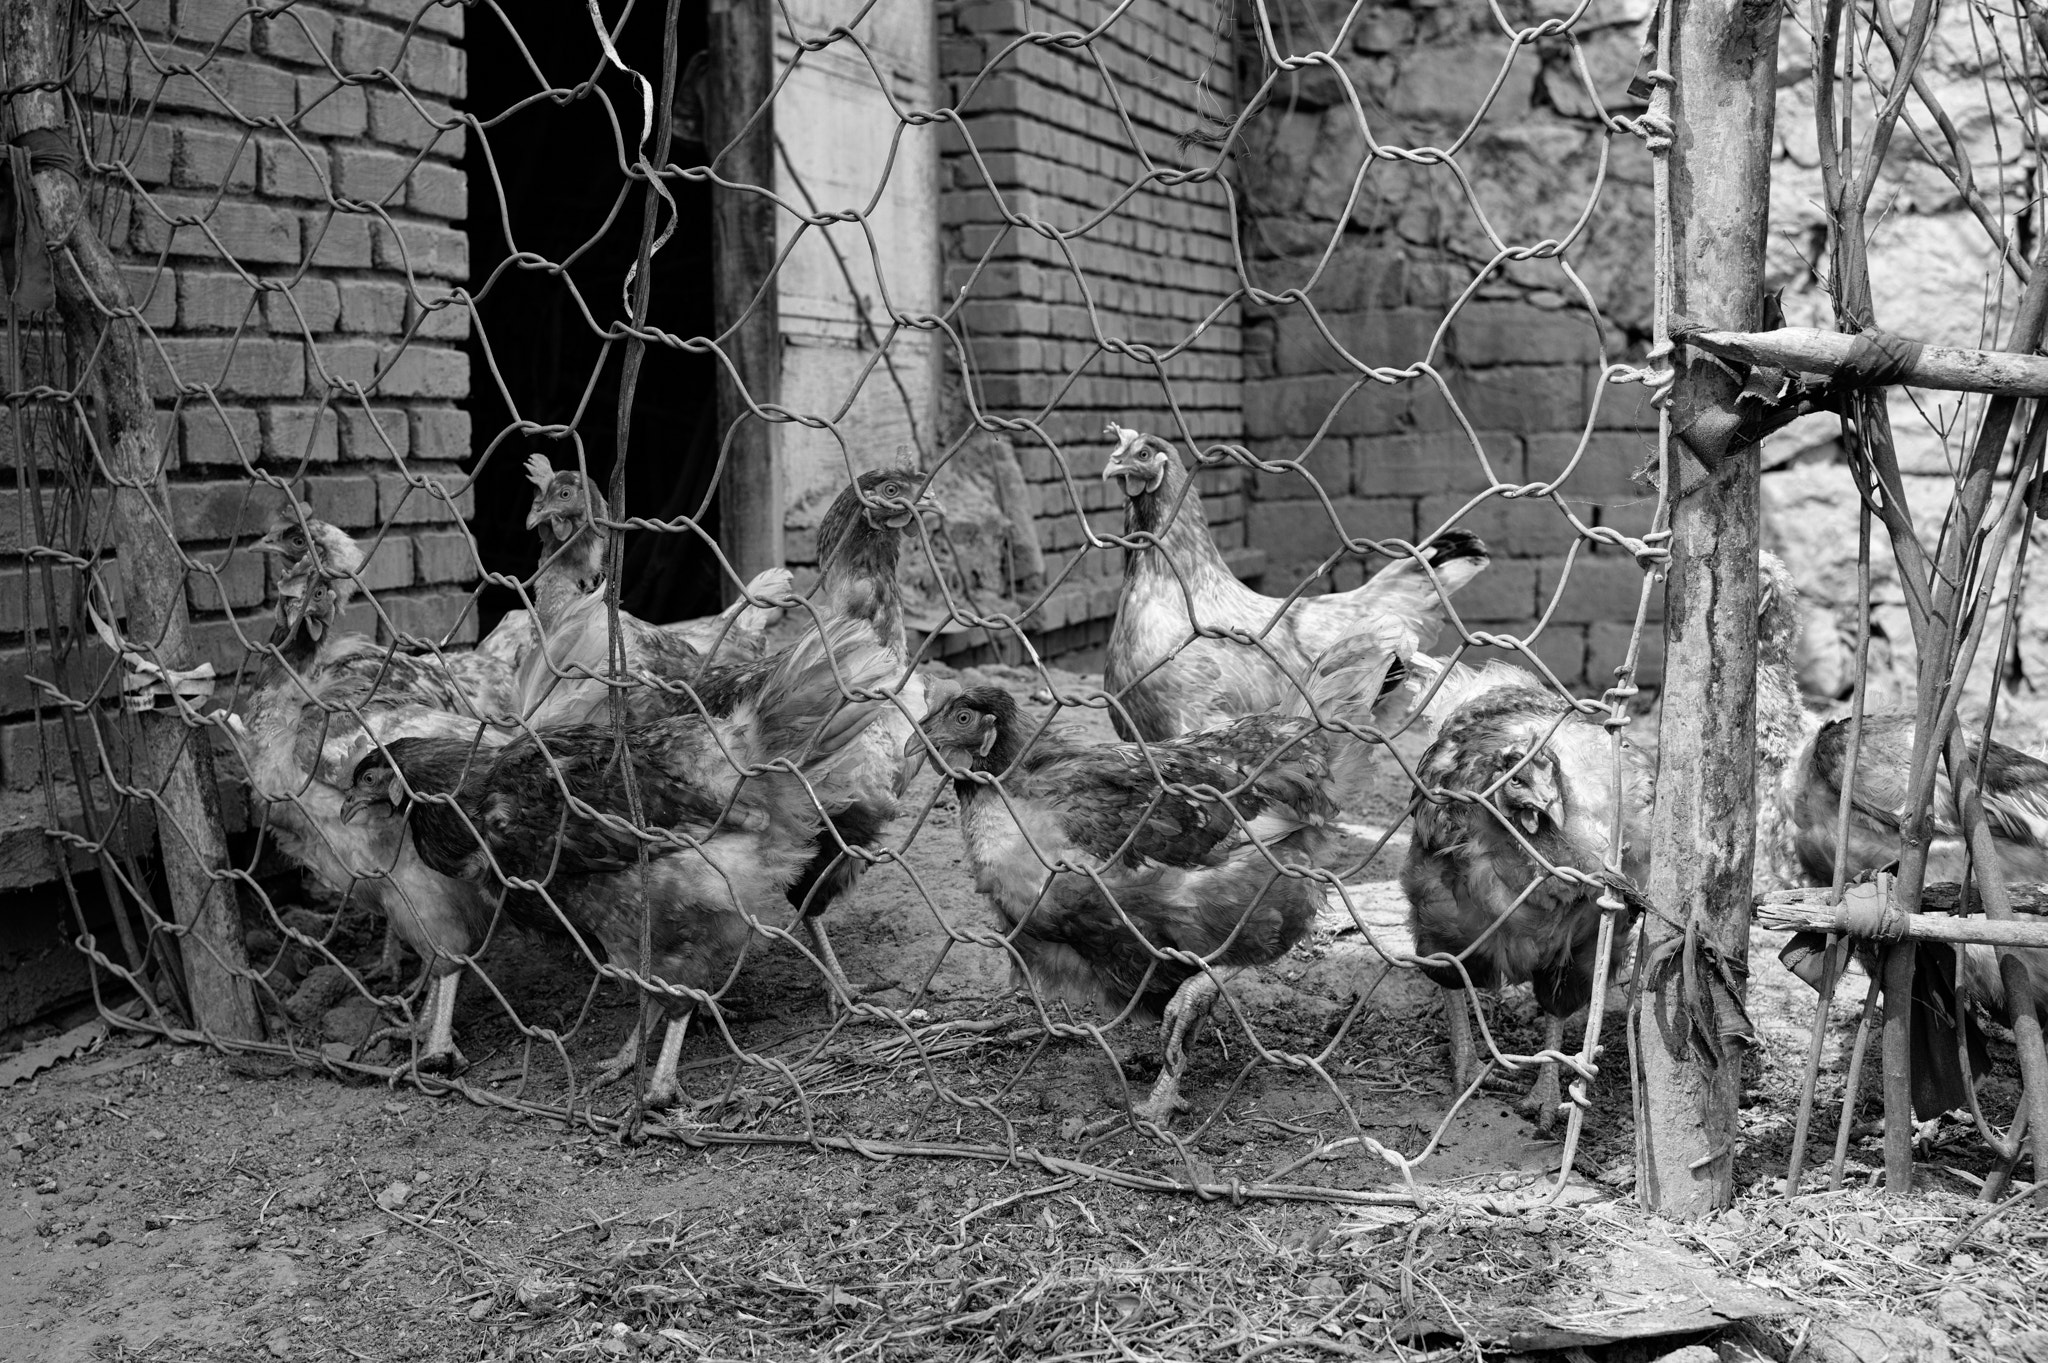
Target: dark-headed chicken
1150,874
1517,777
730,817
1169,685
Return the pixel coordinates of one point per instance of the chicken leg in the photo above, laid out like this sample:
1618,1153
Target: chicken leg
1183,1018
1545,1096
839,991
1458,1005
663,1090
438,1053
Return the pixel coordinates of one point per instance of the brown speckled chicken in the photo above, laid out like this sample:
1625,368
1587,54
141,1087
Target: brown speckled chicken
720,845
1171,682
1516,774
2015,790
474,683
1207,866
559,683
318,703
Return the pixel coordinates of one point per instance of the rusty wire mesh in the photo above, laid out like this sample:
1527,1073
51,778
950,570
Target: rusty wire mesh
959,1070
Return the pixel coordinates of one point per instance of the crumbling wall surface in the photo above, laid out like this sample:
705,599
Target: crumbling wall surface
1936,275
1439,276
1042,138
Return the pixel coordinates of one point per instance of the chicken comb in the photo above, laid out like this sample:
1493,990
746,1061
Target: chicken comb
539,471
295,511
1122,435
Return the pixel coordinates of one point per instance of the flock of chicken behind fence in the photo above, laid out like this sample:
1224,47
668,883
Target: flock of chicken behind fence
674,810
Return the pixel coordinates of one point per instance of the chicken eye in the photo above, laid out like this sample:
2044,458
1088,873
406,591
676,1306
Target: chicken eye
889,490
963,717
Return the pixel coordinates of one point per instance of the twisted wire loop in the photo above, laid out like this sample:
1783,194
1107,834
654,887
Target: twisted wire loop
360,294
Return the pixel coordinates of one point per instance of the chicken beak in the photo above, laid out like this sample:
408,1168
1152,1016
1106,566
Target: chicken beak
913,762
536,515
354,803
269,545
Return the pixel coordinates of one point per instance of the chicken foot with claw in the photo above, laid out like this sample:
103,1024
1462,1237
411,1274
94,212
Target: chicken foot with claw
438,1054
663,1089
1183,1019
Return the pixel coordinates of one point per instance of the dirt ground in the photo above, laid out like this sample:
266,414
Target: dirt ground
915,1188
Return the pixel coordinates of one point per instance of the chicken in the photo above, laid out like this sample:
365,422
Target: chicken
475,683
561,682
731,805
859,543
1189,855
1514,773
2015,792
1168,681
319,701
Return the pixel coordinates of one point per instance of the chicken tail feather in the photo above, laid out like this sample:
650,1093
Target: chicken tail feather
812,704
1341,689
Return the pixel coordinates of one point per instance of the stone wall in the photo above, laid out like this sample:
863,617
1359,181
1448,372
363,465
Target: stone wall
1415,275
286,232
1043,140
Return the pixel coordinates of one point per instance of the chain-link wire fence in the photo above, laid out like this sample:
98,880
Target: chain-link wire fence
585,808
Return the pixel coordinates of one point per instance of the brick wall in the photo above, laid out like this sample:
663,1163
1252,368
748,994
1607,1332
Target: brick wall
1414,278
1053,149
284,231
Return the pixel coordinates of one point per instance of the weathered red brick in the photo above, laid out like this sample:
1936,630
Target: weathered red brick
399,502
248,233
210,300
311,306
1438,461
226,435
348,500
376,434
327,108
440,433
212,158
439,191
373,305
445,556
338,240
293,170
371,175
427,250
250,366
295,434
435,68
301,34
363,46
396,122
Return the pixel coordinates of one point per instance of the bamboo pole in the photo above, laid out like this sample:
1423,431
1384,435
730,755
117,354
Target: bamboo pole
740,127
1849,359
175,760
1916,927
1723,56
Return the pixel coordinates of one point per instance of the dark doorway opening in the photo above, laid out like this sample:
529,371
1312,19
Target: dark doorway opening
557,167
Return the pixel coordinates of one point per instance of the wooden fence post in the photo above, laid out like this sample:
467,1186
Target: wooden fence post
1723,55
175,760
742,44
